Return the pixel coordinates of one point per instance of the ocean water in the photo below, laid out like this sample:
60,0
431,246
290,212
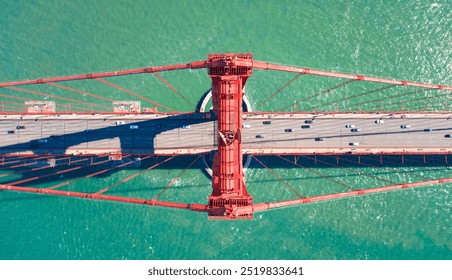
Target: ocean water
409,40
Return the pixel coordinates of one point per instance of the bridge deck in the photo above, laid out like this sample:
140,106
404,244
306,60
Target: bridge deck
194,133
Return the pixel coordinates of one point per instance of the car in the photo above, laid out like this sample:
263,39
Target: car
355,130
305,126
10,132
319,139
134,126
349,126
353,144
246,126
427,130
288,130
120,122
309,121
186,126
379,121
405,126
267,122
448,136
260,136
42,140
20,127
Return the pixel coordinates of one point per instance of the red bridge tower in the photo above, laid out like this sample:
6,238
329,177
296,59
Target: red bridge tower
229,73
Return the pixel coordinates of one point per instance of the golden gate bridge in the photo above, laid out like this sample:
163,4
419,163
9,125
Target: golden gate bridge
81,135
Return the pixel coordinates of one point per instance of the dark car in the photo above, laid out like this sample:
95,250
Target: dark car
20,127
10,132
267,122
259,136
355,130
448,136
319,139
309,121
305,126
288,130
428,130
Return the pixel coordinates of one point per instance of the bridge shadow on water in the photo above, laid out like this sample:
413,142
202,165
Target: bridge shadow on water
16,169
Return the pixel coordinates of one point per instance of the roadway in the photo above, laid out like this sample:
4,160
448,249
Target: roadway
193,134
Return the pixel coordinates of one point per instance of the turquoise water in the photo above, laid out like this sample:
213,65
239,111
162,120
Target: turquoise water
399,39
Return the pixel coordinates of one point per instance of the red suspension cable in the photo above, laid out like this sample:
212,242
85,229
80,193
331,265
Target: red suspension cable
352,170
57,97
393,96
190,65
81,92
358,95
173,89
175,179
128,178
320,93
113,168
270,66
148,202
280,89
74,180
132,93
279,178
318,174
259,207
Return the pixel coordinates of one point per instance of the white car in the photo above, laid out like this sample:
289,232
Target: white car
186,127
353,144
379,121
349,126
246,126
134,127
120,122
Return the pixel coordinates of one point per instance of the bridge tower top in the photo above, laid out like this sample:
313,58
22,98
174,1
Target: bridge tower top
228,181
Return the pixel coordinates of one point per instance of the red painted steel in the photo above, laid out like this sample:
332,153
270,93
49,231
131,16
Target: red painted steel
229,73
255,64
228,180
236,61
150,202
191,65
259,207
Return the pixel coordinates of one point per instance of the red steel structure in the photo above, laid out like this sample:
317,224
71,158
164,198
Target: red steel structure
228,181
229,198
